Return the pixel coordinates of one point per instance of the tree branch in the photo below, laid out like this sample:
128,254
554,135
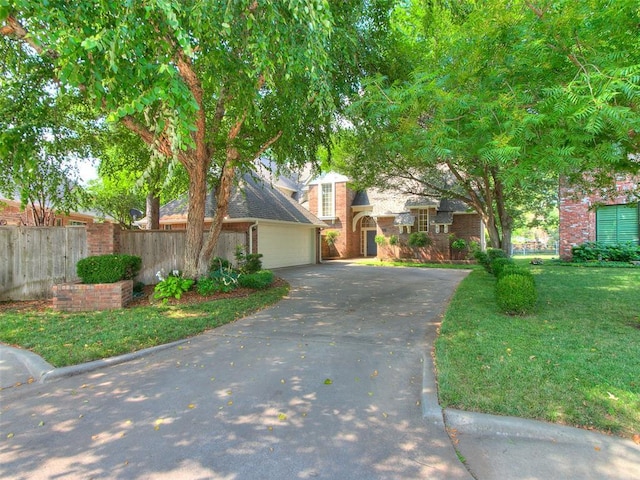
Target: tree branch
13,28
161,144
267,144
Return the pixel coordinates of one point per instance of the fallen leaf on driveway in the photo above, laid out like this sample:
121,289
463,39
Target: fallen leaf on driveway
636,438
328,381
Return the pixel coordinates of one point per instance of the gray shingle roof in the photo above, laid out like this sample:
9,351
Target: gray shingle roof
389,202
252,198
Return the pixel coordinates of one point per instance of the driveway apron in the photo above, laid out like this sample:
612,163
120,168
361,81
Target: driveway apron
326,384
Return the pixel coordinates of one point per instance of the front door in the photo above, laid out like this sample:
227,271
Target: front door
372,246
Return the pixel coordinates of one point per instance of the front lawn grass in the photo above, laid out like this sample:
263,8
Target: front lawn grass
575,361
403,263
64,339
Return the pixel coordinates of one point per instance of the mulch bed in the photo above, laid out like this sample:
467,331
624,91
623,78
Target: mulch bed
188,298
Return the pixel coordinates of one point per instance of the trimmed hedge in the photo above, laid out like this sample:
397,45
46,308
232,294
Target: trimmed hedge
499,264
486,258
516,294
258,281
514,270
108,268
597,251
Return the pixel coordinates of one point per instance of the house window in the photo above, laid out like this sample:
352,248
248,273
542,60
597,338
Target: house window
166,227
423,220
327,200
76,222
617,224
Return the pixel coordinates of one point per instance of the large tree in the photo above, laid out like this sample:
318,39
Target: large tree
42,135
505,97
212,84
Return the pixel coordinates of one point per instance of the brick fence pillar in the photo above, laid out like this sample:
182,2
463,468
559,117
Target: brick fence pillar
103,238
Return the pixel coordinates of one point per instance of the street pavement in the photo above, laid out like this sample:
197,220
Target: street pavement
336,381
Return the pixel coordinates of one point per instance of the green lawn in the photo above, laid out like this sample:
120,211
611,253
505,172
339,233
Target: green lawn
575,361
71,338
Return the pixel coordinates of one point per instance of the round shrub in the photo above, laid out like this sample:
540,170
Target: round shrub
258,281
108,268
486,258
514,270
516,294
419,240
498,264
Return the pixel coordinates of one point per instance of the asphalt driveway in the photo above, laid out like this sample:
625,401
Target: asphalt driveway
326,384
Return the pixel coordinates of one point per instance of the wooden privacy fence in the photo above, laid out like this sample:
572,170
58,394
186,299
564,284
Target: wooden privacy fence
33,259
164,249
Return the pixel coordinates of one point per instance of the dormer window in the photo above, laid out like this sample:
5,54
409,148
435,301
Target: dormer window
327,200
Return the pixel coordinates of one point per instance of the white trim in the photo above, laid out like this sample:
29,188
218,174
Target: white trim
356,219
330,177
321,212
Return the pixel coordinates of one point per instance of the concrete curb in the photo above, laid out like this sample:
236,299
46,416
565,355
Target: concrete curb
513,427
36,367
70,371
431,409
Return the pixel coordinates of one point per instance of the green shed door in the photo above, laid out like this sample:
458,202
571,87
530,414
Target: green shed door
617,224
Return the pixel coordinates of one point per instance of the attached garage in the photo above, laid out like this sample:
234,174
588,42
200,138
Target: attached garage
272,223
286,245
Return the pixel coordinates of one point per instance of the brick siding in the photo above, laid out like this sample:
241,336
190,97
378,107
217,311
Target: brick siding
79,297
348,243
578,216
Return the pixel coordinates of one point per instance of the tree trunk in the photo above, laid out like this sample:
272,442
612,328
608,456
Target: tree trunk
153,212
223,194
195,219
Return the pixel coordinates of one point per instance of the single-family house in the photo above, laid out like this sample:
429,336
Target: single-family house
13,213
273,221
361,216
611,219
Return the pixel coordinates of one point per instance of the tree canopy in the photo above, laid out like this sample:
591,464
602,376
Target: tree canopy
42,136
504,97
211,84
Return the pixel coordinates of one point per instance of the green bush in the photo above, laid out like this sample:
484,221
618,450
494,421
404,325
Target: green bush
514,270
331,236
218,262
206,286
224,280
497,264
108,268
598,251
380,240
482,258
486,258
172,287
258,281
419,239
516,294
248,262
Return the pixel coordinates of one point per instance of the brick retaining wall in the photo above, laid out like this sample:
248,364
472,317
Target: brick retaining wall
79,297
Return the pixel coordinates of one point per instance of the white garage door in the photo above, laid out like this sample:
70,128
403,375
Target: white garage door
285,245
